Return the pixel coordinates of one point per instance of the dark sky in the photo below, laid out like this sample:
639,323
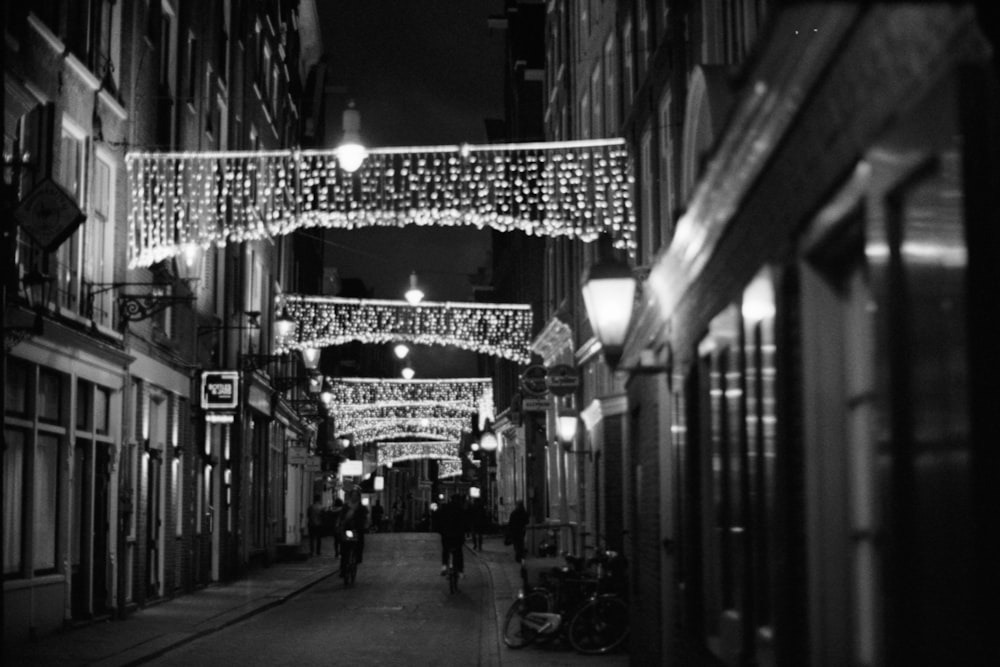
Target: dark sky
421,72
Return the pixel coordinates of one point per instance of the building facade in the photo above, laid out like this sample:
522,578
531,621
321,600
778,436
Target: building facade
119,487
792,452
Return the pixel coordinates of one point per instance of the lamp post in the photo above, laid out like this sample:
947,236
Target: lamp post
608,294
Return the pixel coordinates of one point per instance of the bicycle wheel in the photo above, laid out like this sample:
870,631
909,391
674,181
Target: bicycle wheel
600,625
516,632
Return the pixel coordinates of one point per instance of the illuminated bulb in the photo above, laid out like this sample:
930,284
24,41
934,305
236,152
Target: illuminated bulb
401,350
408,373
414,295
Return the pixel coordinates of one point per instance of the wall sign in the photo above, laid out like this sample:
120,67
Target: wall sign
562,380
220,390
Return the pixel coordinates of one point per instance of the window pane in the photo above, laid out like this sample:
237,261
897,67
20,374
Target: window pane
102,410
16,386
49,396
13,501
45,520
84,392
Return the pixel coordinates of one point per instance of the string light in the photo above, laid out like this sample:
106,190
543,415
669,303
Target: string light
501,330
449,468
392,452
367,429
577,189
372,393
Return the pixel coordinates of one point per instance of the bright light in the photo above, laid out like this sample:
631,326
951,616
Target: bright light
608,293
401,350
566,425
351,152
414,295
350,156
351,468
379,482
408,373
310,357
488,440
284,326
473,491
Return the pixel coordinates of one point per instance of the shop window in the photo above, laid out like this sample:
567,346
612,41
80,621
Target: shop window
16,388
50,385
721,355
45,517
13,501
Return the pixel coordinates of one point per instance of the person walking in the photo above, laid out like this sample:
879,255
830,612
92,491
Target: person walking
450,522
333,520
377,513
479,523
314,517
354,518
517,525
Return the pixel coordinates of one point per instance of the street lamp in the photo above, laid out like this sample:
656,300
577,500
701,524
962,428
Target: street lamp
566,424
408,371
351,152
488,438
284,326
310,357
401,350
608,293
414,294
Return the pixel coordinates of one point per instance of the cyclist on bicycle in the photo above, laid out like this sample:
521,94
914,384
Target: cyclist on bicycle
353,517
450,522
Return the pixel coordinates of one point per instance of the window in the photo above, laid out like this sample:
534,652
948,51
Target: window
110,45
166,42
611,86
70,175
265,71
628,72
644,41
98,250
14,483
596,96
649,238
192,68
666,172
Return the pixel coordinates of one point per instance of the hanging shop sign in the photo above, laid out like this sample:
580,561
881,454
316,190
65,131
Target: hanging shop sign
220,390
533,380
49,214
562,380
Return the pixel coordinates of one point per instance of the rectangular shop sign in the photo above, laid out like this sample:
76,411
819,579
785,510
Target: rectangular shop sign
220,390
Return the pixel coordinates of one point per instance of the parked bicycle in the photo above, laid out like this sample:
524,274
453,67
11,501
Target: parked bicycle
574,602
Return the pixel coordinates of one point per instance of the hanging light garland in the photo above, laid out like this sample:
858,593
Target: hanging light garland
384,392
411,411
391,452
367,429
393,428
449,468
501,330
577,189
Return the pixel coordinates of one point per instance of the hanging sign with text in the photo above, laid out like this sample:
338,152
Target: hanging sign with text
562,380
220,390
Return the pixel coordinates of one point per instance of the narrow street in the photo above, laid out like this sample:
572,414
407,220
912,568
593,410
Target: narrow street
399,612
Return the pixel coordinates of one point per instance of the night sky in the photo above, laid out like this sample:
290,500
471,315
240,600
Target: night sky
420,73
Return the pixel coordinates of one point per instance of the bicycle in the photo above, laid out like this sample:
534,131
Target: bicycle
349,558
453,573
574,603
